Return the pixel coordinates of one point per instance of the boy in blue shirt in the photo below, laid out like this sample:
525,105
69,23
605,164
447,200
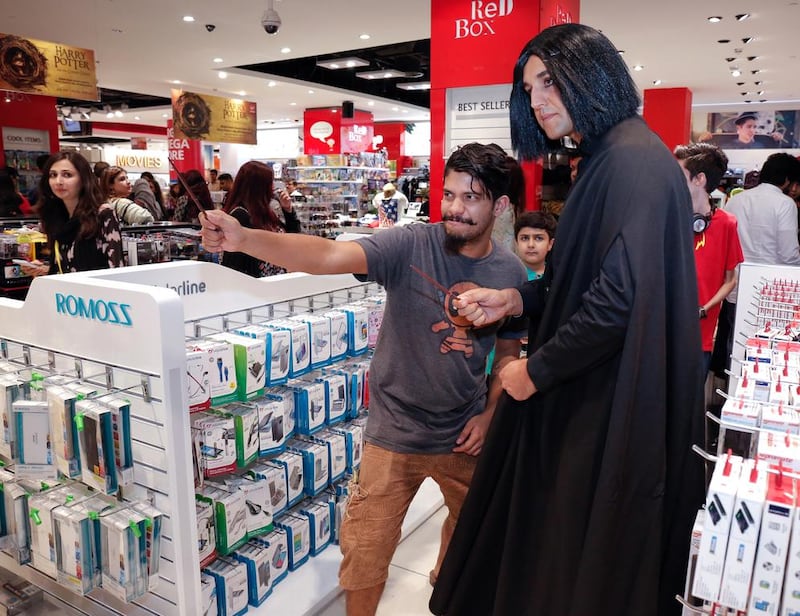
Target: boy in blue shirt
535,233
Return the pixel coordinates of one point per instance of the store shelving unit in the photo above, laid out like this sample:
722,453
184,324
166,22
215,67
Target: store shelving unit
143,356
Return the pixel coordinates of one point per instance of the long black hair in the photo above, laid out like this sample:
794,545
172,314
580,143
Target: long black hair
595,85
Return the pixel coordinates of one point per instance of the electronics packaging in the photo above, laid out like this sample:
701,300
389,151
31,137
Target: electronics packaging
34,448
339,333
96,446
316,470
208,595
274,475
272,418
221,368
245,423
215,435
17,541
336,444
230,516
300,353
354,445
319,331
152,540
123,554
320,517
206,533
18,596
285,396
310,398
250,360
375,307
121,432
230,577
257,500
277,344
292,463
277,546
11,389
259,577
197,380
298,539
357,328
63,431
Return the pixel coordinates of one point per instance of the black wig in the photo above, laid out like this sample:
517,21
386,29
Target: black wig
595,85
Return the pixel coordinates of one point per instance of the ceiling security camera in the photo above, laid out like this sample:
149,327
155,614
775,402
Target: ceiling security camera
271,21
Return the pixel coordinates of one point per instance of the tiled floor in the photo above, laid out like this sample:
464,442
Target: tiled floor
407,590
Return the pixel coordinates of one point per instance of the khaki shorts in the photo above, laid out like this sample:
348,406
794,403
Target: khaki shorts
379,501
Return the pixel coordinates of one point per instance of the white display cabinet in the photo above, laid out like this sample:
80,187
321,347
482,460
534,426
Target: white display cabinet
125,330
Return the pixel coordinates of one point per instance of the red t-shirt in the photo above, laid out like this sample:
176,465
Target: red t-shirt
716,251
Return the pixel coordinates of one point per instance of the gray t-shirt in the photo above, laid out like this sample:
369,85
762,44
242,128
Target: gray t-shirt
427,374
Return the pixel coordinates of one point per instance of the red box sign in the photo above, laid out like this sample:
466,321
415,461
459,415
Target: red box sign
326,132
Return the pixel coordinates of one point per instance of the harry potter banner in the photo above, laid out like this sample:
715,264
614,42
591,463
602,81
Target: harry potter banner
212,118
42,67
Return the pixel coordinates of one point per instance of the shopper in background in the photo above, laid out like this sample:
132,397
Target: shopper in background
175,192
213,182
142,194
503,231
33,193
185,209
155,187
391,205
99,169
10,199
82,230
584,498
767,224
225,181
412,432
249,203
717,251
25,207
117,188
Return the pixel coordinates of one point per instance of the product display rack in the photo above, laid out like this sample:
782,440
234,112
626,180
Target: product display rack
335,190
76,324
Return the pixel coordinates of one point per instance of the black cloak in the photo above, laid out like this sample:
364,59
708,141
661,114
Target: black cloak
584,496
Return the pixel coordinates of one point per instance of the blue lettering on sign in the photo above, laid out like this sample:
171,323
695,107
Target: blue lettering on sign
100,310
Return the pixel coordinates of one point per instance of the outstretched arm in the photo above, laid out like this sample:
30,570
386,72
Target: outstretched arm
297,253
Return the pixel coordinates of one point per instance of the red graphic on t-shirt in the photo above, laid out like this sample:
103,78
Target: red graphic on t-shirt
459,339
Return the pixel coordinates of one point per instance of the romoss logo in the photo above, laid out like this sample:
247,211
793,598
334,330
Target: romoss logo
100,310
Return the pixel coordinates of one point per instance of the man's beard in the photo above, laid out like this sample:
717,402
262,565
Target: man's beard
453,244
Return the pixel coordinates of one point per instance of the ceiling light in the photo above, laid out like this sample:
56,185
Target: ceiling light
8,98
165,115
758,83
381,74
755,72
715,19
222,75
740,83
747,39
751,58
176,81
736,72
763,100
311,91
415,85
188,18
730,59
110,114
337,63
86,115
657,82
744,93
217,60
724,41
292,104
242,93
371,103
364,37
620,51
286,50
136,118
742,16
395,109
760,92
118,113
271,84
638,67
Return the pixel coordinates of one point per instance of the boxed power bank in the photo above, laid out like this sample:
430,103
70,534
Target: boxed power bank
720,502
316,470
221,368
300,351
375,307
694,549
298,531
357,328
335,383
285,396
339,333
245,423
779,418
34,447
779,449
230,516
277,345
259,580
319,334
250,359
121,432
231,582
123,560
336,443
197,379
208,595
292,463
773,546
96,445
273,415
745,526
320,519
215,436
11,389
152,540
310,398
206,532
277,545
63,431
274,475
354,445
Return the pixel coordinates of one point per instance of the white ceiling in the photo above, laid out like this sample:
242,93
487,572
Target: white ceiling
143,46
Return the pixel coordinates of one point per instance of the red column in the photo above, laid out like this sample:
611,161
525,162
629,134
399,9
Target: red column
476,44
668,112
185,153
30,111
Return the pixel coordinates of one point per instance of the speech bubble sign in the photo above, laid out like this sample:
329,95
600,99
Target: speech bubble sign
321,130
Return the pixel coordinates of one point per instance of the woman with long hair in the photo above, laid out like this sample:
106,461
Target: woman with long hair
157,193
185,209
10,199
117,189
249,202
82,230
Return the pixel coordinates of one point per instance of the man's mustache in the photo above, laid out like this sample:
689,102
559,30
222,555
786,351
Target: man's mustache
465,221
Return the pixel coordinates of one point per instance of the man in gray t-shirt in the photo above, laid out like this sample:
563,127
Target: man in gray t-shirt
429,404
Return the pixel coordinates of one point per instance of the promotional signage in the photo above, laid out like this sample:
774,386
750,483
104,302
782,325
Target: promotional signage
25,139
154,161
213,118
42,67
326,132
478,114
93,309
185,153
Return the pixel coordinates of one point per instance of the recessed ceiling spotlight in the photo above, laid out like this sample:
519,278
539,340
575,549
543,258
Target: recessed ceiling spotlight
242,93
742,16
724,41
715,19
311,91
175,81
744,93
747,39
620,51
292,104
763,100
740,83
286,50
165,115
217,60
758,83
657,82
188,18
760,92
222,75
736,72
381,74
395,109
337,63
364,37
751,58
748,101
404,110
638,67
271,84
730,59
371,103
755,72
136,118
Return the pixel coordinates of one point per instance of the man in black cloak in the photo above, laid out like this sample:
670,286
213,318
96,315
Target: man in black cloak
584,496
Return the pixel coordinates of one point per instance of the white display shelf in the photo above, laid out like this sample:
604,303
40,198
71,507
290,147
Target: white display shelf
143,354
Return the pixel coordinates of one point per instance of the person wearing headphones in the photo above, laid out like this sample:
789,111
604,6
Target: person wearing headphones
717,250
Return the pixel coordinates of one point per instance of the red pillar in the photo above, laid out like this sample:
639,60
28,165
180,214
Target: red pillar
668,112
30,111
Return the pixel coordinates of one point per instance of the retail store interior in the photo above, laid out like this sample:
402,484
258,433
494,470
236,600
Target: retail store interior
294,59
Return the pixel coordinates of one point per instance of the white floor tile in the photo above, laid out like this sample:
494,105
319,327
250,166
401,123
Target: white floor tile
418,553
